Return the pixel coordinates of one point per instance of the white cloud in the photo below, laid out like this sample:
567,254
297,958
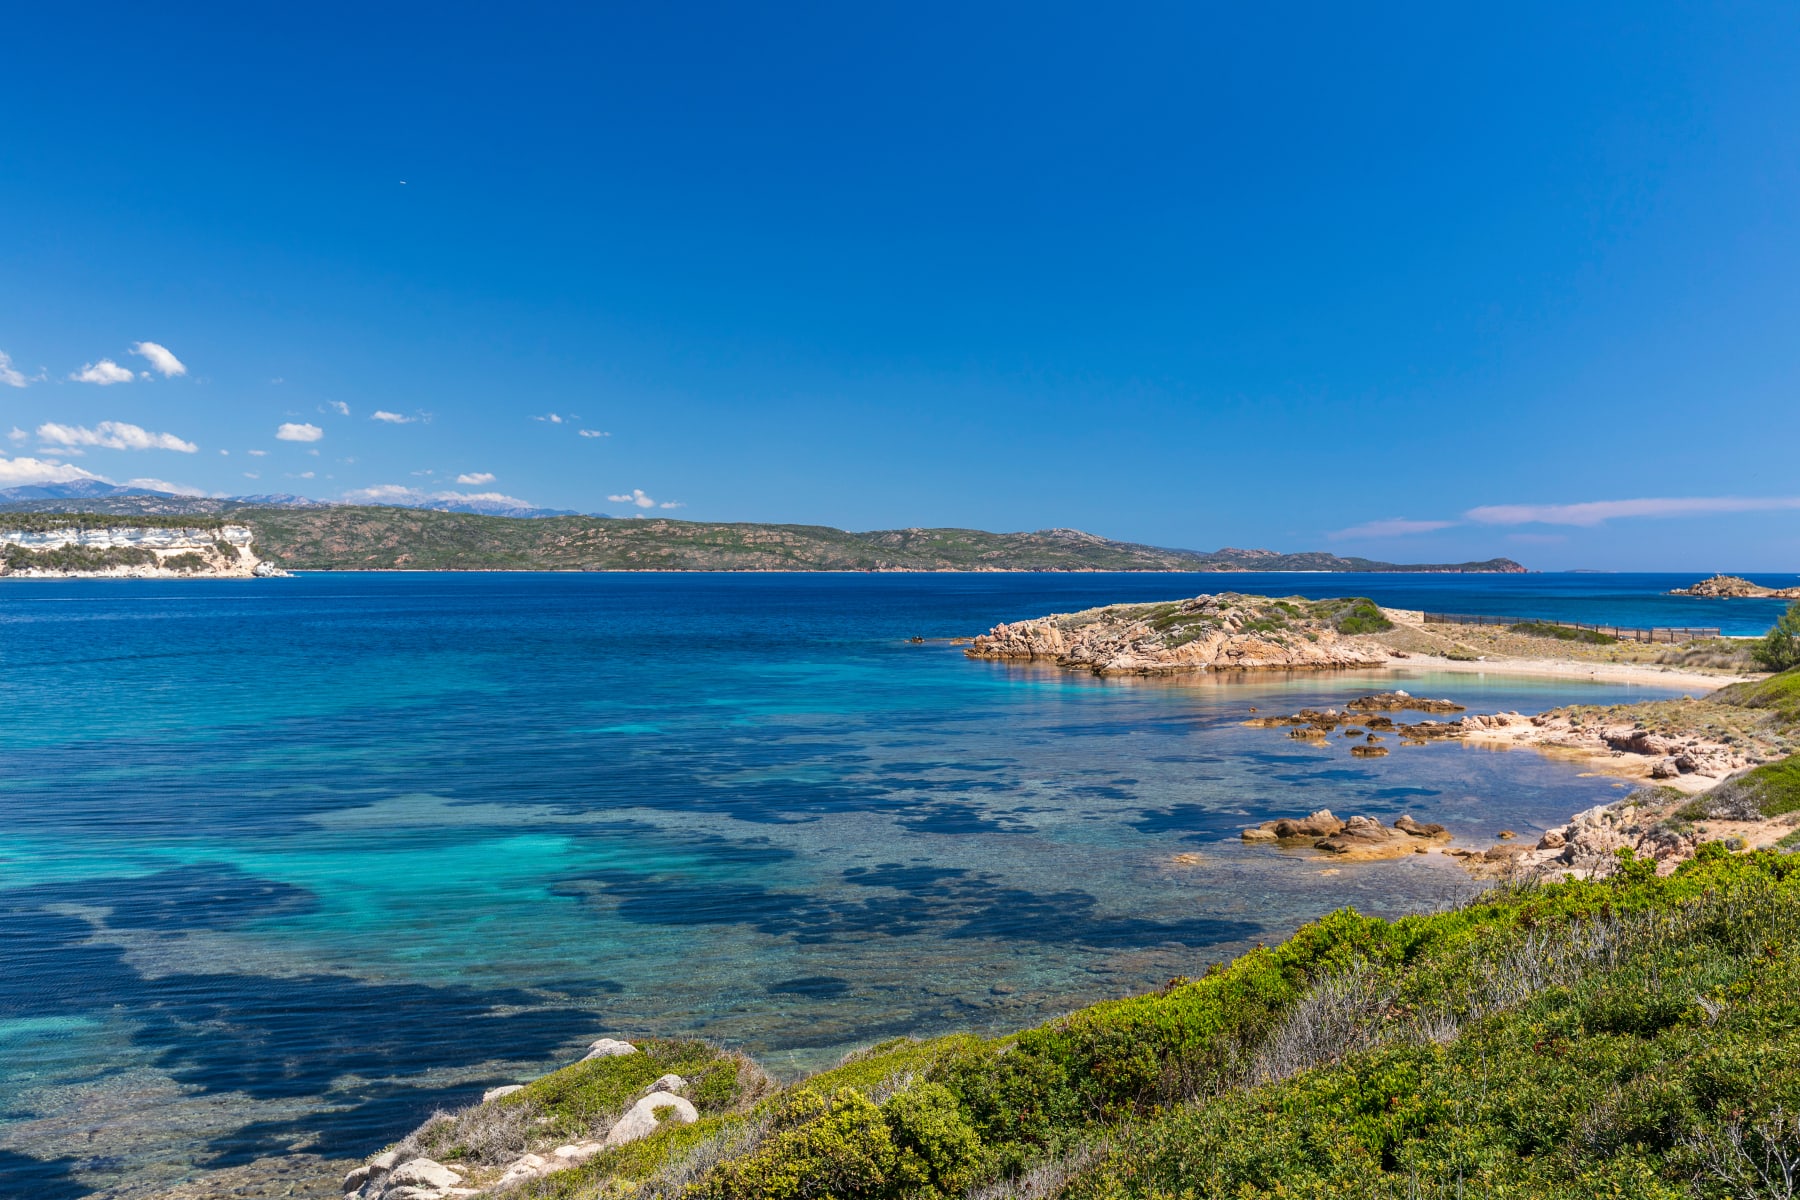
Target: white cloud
163,485
252,475
302,475
19,472
635,496
17,434
476,477
339,407
392,418
594,433
160,358
256,453
105,373
1596,512
1392,527
291,432
553,418
671,504
111,435
9,374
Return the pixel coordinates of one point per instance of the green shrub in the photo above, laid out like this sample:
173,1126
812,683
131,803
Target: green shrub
838,1148
1780,649
1564,633
937,1151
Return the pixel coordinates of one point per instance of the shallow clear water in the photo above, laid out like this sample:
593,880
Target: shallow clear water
286,864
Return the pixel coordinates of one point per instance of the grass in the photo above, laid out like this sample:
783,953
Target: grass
1634,1036
1592,637
1780,694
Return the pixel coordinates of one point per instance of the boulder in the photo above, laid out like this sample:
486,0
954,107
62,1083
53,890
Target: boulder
528,1166
1665,768
1258,834
1358,833
493,1094
1552,840
669,1083
385,1161
609,1048
355,1179
1368,751
1407,825
642,1119
422,1172
1318,824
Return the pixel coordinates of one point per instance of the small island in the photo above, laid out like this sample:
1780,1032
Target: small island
1736,587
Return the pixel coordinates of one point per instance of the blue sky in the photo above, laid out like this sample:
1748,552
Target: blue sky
1406,282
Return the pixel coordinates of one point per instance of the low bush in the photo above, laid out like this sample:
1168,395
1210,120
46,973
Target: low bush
1563,633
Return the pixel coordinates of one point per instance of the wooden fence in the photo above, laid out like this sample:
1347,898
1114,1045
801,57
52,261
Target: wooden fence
1660,634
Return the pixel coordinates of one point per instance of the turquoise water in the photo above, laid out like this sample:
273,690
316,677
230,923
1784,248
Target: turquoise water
287,864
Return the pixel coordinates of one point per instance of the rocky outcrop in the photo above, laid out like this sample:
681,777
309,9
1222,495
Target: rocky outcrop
1735,587
382,1178
1357,838
1226,632
644,1116
1398,701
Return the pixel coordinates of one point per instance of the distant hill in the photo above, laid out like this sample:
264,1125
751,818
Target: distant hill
310,535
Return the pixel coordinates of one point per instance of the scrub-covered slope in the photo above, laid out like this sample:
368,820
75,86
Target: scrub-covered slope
1635,1036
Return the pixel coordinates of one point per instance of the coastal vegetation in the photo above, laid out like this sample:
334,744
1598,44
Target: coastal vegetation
1564,633
1637,1035
46,521
75,557
1780,648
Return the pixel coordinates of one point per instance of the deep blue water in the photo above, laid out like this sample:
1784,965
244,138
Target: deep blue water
286,864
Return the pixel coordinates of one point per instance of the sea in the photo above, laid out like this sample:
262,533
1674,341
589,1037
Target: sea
286,865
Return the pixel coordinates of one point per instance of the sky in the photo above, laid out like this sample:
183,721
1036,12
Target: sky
1416,282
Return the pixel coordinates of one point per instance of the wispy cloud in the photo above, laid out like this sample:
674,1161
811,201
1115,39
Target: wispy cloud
476,478
292,432
392,418
553,418
21,472
10,376
593,433
1391,527
256,453
339,407
1597,512
161,360
111,435
17,434
106,372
